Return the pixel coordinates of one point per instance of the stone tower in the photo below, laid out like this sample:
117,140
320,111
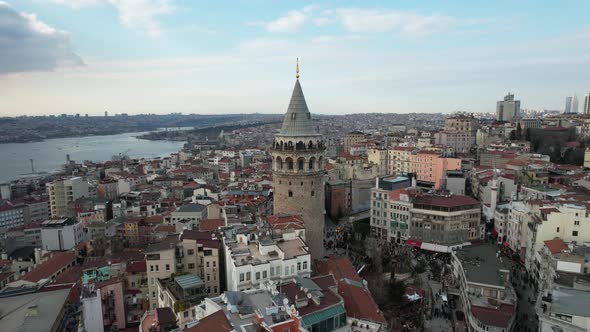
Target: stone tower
297,155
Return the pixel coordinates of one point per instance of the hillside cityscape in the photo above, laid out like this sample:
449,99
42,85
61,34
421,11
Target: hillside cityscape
294,166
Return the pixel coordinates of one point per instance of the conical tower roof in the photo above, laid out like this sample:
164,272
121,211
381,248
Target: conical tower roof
297,121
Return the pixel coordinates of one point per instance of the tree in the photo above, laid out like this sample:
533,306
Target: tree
528,134
518,131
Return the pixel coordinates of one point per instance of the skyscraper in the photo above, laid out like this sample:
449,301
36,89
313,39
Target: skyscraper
571,104
586,109
508,108
297,153
568,105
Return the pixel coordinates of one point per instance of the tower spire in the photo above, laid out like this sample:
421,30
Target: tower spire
297,69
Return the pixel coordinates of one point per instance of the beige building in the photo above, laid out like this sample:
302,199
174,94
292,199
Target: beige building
569,222
194,252
399,159
298,164
351,139
379,157
63,193
587,158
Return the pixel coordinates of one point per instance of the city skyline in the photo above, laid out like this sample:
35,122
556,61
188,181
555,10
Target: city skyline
163,56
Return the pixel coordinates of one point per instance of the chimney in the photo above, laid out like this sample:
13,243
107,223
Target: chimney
32,311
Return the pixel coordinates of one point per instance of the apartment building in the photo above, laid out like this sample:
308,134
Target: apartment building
63,193
253,258
399,159
61,234
390,214
430,167
483,281
379,158
193,252
445,220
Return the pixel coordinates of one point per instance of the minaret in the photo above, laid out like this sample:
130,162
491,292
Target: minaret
297,155
494,193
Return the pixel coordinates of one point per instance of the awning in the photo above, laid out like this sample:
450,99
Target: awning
414,243
434,247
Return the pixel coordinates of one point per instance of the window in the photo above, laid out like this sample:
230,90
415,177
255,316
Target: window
248,275
557,229
292,269
191,266
257,275
207,264
575,233
185,314
290,193
278,270
299,266
264,274
312,193
157,267
214,264
190,252
167,267
208,277
577,223
151,268
272,271
305,265
241,277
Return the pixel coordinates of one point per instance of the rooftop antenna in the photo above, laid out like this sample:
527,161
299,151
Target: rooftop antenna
297,69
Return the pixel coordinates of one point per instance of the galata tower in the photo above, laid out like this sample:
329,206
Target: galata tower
297,155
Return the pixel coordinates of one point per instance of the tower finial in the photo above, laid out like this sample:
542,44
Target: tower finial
297,70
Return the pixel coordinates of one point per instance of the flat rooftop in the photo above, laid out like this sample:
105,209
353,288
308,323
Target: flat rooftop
244,254
481,264
570,302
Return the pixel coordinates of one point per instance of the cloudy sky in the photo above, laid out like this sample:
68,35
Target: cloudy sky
162,56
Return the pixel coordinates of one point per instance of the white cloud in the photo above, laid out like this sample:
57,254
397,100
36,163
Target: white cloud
29,44
362,20
293,21
136,14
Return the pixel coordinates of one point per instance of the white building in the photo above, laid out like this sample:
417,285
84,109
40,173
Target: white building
489,301
252,258
563,309
61,234
508,108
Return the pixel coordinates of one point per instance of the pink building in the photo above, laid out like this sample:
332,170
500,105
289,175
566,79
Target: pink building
113,302
430,167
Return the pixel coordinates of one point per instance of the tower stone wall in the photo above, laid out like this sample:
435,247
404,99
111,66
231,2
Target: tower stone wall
297,159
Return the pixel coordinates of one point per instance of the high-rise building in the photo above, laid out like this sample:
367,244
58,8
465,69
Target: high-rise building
63,193
297,154
508,108
571,104
587,104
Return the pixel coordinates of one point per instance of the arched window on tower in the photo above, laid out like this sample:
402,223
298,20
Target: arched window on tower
300,146
279,163
310,145
301,163
290,193
310,163
289,163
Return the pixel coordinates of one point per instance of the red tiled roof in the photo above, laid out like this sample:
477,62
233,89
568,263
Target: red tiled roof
359,303
139,266
215,322
495,317
211,224
165,228
450,201
339,266
286,221
556,246
56,262
325,282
